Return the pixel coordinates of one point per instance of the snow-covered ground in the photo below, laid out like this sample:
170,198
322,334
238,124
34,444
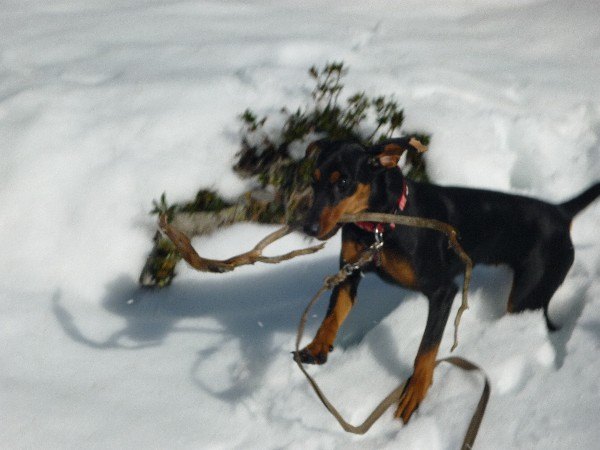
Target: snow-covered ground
104,105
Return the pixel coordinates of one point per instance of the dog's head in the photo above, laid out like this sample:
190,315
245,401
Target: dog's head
343,179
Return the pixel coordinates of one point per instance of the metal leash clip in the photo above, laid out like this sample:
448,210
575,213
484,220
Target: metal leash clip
378,232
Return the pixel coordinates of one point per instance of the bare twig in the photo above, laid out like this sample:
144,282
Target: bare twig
184,246
432,224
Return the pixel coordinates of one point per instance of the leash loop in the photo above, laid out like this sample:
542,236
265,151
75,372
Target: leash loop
393,397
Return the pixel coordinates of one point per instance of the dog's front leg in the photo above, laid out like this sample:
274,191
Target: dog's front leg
340,304
418,384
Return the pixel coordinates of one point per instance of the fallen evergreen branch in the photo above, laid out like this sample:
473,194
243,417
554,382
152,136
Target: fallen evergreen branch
275,159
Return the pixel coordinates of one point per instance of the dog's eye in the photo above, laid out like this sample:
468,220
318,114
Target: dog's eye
342,183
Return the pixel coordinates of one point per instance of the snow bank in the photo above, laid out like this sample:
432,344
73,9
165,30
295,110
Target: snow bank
105,106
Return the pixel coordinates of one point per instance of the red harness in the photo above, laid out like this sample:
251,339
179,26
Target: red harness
373,227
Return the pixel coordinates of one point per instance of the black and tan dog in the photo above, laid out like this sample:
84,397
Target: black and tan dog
530,236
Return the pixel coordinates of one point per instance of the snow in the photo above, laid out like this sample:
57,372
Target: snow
104,105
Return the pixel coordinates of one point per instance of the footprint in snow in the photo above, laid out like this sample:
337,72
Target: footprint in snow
365,38
516,371
513,375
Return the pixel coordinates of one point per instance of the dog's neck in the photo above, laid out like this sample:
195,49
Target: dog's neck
389,192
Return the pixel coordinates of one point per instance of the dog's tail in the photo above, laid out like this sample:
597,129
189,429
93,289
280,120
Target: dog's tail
572,207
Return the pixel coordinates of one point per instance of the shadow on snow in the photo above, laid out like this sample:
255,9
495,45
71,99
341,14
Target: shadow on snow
248,310
243,308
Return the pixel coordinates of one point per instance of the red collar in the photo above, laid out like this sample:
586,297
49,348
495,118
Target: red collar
373,227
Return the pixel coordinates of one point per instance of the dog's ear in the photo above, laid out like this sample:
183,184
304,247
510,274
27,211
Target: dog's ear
388,153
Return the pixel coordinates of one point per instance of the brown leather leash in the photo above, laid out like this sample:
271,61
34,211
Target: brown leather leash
394,396
183,244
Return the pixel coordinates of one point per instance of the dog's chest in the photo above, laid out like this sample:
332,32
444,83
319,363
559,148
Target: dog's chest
398,267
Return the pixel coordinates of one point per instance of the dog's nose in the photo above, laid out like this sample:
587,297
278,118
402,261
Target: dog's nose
312,229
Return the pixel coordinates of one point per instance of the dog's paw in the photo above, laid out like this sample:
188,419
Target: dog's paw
414,393
308,356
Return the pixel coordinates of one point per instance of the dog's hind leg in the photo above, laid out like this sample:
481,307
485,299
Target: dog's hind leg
537,279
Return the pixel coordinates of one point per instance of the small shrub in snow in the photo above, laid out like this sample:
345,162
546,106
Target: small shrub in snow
274,158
